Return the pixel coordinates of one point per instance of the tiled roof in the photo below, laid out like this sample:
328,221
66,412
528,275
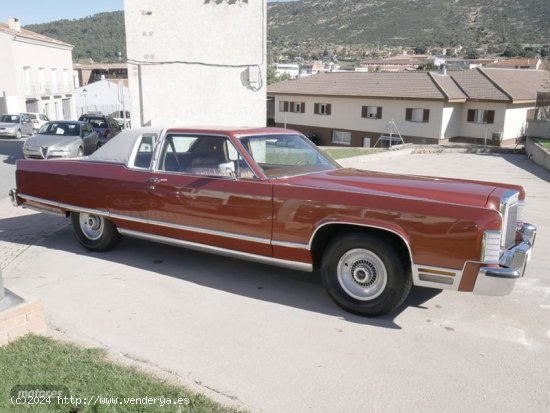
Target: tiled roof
31,35
516,62
505,85
417,85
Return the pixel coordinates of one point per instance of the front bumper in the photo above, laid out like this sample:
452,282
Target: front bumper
513,262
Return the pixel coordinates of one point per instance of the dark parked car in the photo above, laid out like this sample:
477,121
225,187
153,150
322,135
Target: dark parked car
106,126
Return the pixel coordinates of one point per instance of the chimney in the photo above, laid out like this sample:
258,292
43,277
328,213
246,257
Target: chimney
14,24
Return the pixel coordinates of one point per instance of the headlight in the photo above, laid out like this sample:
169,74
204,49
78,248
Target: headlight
490,247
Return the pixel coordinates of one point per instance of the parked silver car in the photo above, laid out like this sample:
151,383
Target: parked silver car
38,119
61,139
15,125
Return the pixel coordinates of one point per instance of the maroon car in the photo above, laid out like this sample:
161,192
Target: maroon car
270,196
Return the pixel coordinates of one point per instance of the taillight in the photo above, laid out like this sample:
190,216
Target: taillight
34,121
107,134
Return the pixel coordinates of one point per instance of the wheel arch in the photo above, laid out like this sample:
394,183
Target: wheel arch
325,233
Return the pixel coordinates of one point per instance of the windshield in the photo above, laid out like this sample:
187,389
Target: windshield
96,122
286,155
63,129
9,118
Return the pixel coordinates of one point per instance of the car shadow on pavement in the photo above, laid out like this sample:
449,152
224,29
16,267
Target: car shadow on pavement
523,162
257,281
12,149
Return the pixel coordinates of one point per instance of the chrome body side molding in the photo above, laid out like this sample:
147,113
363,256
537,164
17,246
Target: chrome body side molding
300,266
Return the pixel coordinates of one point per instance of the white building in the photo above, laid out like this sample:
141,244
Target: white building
197,62
289,69
356,108
36,73
106,96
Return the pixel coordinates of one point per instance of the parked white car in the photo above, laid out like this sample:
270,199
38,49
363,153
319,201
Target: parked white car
15,125
38,119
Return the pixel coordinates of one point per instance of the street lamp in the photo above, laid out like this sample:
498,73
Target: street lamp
84,91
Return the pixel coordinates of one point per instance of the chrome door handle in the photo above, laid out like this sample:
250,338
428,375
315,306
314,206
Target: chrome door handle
157,180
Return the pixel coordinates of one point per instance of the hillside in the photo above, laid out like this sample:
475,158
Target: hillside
432,23
98,37
305,26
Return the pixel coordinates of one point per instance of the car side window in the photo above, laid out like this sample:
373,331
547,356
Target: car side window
203,155
145,150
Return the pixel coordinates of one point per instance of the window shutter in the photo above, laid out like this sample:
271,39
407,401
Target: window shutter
292,106
490,116
379,112
426,115
409,114
316,109
303,107
329,107
364,111
471,115
285,106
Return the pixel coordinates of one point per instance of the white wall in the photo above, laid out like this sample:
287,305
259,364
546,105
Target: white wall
18,53
104,96
451,116
482,130
346,114
515,124
191,60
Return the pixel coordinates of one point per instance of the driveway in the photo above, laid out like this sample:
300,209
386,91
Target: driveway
271,340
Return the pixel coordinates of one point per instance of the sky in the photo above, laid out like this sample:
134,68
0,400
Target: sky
41,11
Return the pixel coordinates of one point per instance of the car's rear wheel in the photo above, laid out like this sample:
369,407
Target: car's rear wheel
18,134
94,232
365,275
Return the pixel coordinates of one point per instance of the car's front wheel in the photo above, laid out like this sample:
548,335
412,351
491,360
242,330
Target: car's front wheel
94,232
18,134
365,275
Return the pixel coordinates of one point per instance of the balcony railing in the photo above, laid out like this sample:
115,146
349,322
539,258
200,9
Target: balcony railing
38,89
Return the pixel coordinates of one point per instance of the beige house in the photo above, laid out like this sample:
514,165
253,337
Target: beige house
356,109
197,62
36,74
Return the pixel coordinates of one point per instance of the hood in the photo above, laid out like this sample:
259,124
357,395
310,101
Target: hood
51,140
378,183
8,125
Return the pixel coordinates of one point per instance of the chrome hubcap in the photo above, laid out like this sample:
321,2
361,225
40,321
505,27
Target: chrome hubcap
91,226
362,274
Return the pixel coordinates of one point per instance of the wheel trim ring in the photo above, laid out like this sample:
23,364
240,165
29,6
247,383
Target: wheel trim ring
374,273
92,226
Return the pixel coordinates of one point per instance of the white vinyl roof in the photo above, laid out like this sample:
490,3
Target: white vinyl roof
119,148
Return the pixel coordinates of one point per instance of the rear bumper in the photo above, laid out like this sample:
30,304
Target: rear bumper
513,262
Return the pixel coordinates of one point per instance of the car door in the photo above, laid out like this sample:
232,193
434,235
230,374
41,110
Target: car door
87,137
203,192
26,125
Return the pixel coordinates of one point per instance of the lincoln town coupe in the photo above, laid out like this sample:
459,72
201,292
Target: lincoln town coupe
269,195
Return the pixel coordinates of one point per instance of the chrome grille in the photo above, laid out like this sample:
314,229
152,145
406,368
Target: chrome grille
509,210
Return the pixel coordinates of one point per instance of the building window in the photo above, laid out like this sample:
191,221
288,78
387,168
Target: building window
296,107
481,116
323,109
371,112
417,115
341,137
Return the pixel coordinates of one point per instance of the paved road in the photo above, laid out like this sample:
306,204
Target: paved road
271,340
10,151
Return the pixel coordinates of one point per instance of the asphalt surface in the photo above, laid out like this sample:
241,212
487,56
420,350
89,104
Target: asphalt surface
269,339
